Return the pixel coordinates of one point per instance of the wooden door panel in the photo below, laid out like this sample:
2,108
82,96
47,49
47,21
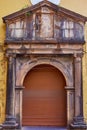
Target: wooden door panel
44,97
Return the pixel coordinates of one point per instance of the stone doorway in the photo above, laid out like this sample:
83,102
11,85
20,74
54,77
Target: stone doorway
44,97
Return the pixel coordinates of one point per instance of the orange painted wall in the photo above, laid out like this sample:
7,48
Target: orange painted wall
6,7
80,6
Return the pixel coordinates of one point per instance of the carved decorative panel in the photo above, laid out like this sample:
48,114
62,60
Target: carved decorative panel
45,24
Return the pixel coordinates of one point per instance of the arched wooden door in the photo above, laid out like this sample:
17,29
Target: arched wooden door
44,97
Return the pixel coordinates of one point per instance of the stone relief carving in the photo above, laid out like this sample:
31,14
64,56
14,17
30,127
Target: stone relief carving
63,64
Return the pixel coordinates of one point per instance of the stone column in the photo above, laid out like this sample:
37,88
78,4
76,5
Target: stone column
10,121
78,121
18,105
70,104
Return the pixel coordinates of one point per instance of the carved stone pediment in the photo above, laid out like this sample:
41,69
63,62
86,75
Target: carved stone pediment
45,21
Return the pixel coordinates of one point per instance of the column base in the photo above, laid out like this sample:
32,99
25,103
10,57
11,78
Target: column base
9,124
78,123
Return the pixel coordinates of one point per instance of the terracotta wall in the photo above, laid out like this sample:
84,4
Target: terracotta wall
10,6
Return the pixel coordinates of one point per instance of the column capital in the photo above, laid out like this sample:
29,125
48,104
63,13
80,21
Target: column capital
78,58
10,55
78,55
19,87
69,88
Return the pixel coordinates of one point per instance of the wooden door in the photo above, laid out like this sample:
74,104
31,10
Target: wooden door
44,97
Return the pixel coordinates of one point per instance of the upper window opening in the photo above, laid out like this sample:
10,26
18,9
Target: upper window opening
17,29
68,29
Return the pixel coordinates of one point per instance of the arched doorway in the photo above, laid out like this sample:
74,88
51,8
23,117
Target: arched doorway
44,97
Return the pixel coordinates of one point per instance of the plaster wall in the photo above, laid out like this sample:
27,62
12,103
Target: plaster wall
6,7
80,6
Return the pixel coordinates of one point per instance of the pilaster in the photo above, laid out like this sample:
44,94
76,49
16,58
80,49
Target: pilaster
78,120
18,105
10,121
70,103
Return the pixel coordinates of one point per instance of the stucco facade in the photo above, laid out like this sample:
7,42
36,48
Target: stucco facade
8,7
80,7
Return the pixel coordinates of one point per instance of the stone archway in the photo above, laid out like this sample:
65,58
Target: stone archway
17,70
59,64
44,97
27,66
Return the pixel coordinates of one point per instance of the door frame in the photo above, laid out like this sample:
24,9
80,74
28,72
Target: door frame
71,68
60,65
45,68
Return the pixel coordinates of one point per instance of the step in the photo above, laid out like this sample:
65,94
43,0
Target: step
43,128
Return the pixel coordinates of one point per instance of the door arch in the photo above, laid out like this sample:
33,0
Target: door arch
44,97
